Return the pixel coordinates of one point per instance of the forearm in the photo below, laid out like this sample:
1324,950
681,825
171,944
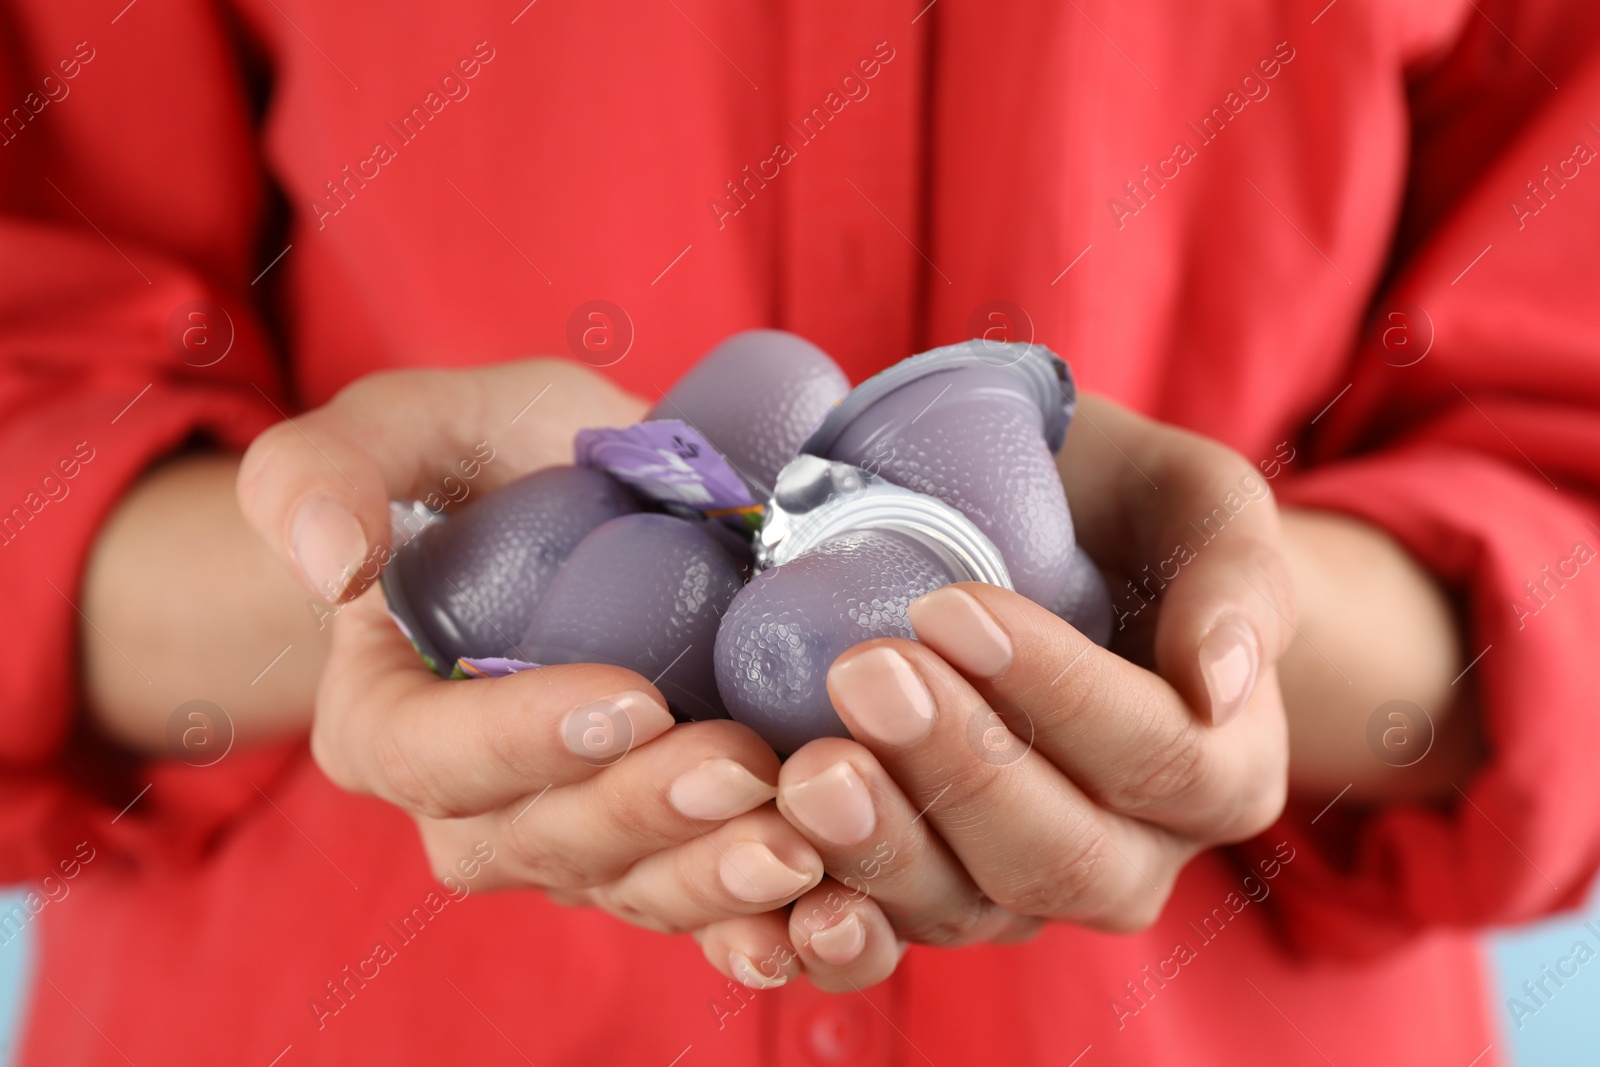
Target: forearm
183,601
1373,627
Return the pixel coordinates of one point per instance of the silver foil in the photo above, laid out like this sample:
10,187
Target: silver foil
816,499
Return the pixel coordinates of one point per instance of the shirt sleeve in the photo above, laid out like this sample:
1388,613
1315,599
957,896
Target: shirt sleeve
131,207
1471,433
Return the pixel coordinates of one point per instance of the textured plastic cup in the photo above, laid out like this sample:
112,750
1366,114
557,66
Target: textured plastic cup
785,628
1085,602
469,586
645,592
977,425
979,436
755,397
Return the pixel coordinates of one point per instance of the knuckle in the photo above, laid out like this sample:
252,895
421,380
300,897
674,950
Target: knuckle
561,368
564,371
652,922
273,441
1135,912
513,746
1174,769
1257,808
570,898
1202,461
618,900
331,758
970,785
700,890
434,847
376,396
265,454
552,867
620,831
1276,578
1217,462
959,924
545,861
1067,882
630,823
379,386
407,783
559,851
443,845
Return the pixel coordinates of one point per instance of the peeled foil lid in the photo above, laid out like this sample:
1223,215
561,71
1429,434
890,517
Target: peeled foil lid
407,518
818,499
670,462
1040,374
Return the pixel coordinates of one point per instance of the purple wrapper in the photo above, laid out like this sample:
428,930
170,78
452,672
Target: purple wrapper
667,461
489,667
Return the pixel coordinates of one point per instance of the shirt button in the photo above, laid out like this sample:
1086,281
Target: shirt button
837,1033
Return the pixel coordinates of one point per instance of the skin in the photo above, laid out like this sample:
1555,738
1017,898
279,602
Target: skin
1127,777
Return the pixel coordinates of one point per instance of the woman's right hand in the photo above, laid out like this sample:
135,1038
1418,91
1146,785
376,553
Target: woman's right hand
576,774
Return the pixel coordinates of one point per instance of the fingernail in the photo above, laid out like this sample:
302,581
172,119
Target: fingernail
884,696
834,805
746,973
328,544
952,622
750,871
605,729
1229,659
842,942
718,789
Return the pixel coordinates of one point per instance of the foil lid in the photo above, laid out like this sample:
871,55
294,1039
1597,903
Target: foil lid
408,518
669,462
817,499
1039,374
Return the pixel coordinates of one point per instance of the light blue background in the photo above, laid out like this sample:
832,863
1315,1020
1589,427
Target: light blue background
1566,1031
16,967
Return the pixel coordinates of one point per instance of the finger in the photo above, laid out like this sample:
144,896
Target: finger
317,487
1029,838
874,842
1118,731
667,793
748,865
1224,620
1191,523
752,951
389,727
841,941
844,940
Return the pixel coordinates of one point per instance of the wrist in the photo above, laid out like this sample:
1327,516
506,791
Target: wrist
187,604
1377,639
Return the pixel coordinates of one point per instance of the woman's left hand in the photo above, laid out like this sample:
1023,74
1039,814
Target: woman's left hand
1006,771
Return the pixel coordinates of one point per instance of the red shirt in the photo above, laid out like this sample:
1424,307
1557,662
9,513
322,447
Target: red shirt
1213,211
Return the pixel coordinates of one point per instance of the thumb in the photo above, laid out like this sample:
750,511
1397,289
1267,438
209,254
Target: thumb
320,499
317,486
1224,622
1191,523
